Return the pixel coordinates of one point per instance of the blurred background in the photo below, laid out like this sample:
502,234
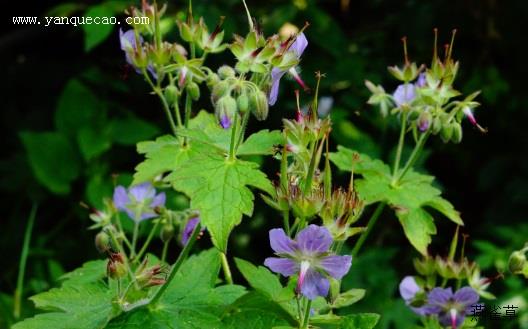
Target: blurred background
56,157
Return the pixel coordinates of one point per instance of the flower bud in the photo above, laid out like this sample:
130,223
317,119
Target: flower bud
517,262
171,94
457,133
446,133
437,125
193,90
424,121
258,103
102,242
225,110
219,90
243,103
167,232
225,72
212,80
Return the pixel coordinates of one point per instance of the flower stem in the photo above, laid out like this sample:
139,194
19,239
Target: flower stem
286,220
225,267
372,221
134,239
306,318
17,302
233,138
164,251
147,242
311,169
183,255
157,91
414,155
240,139
400,147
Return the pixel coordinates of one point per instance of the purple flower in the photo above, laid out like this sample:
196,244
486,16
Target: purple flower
225,122
138,201
450,307
297,47
409,290
127,41
188,229
308,255
404,94
421,81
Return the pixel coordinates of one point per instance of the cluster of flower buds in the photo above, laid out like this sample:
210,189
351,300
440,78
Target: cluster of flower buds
341,210
149,276
425,98
517,263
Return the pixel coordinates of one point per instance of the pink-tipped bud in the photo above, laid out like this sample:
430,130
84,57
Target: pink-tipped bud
471,117
183,76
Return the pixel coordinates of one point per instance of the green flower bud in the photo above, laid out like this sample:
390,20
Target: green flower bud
517,262
446,133
457,133
193,90
437,126
171,94
102,242
243,103
219,90
225,72
212,80
258,103
167,232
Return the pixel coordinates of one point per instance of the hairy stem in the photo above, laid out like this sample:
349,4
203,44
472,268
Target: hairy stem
233,138
226,269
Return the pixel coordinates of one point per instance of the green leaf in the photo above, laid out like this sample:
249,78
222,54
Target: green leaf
360,321
131,130
83,301
348,298
52,159
265,282
77,107
255,311
418,226
92,143
261,143
407,197
190,301
97,33
218,188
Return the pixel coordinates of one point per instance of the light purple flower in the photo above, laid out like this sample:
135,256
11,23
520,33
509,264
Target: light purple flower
188,229
139,201
421,81
127,41
451,308
225,122
404,94
309,256
297,47
408,291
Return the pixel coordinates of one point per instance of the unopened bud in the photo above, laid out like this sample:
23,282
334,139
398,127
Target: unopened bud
219,91
225,72
258,103
102,242
193,90
167,232
243,103
517,262
171,94
437,125
446,133
225,110
457,133
424,121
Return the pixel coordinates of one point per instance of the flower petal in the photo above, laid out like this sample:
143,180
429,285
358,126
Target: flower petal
445,319
315,284
159,200
120,198
281,243
409,288
439,296
276,75
404,94
142,191
284,266
314,239
336,266
299,45
466,296
188,229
